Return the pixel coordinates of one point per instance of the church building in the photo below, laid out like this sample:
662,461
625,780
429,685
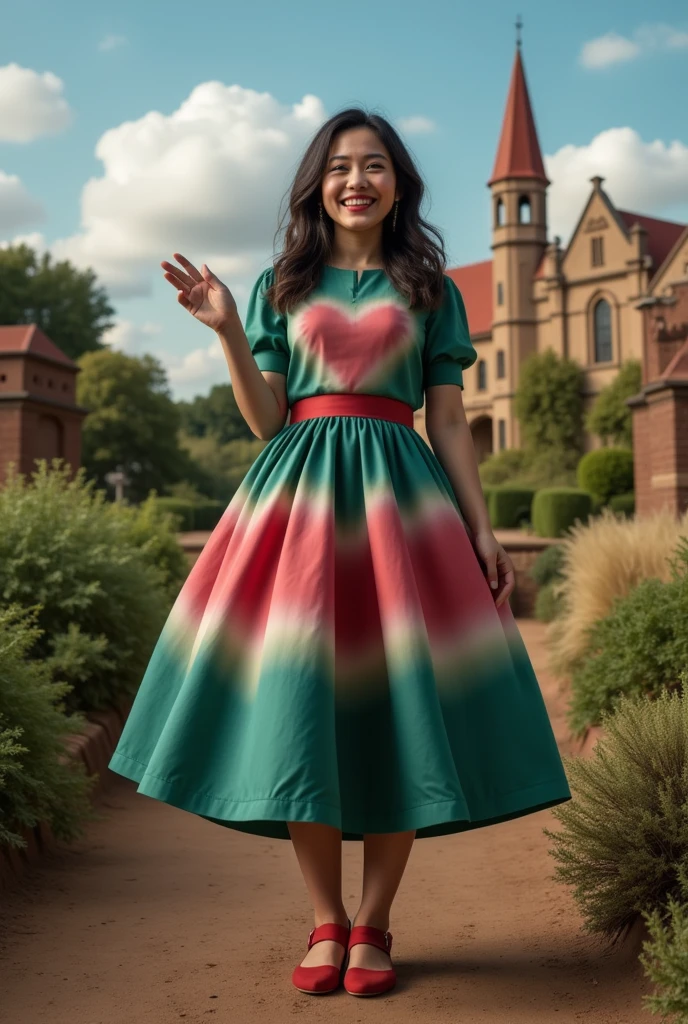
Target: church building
584,301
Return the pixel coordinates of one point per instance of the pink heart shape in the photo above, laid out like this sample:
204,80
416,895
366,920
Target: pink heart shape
353,348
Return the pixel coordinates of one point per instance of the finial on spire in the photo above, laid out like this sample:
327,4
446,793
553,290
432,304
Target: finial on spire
519,26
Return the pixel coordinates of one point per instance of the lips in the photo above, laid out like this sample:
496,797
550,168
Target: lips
358,206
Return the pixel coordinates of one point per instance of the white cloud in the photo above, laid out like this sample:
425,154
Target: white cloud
111,42
134,339
196,372
17,207
205,180
31,104
614,49
416,125
647,177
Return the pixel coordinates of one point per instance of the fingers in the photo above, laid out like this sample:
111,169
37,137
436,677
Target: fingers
194,274
177,282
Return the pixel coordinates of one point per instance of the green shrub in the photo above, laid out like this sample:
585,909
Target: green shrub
92,567
181,509
525,468
623,504
548,565
665,955
637,649
548,602
207,514
606,472
37,782
555,509
502,467
509,506
625,832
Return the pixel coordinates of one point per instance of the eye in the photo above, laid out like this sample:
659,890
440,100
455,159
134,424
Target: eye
343,166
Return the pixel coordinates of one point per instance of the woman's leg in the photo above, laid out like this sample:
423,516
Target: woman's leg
318,850
384,860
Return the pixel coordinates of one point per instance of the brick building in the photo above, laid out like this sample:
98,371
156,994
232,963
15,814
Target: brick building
39,417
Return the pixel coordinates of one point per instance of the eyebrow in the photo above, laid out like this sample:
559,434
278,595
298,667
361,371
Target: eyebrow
343,156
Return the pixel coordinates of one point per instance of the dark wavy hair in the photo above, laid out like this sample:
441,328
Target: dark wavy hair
413,259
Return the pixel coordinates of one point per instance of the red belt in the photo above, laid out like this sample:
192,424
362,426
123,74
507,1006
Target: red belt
377,406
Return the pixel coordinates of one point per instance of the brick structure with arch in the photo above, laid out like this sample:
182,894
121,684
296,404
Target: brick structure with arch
39,417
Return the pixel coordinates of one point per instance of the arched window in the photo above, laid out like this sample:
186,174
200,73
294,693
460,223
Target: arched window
482,375
499,213
524,210
603,331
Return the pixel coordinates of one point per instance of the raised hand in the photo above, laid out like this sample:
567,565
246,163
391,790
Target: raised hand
203,294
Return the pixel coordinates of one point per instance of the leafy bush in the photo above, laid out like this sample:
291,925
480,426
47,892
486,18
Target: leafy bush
180,508
509,506
601,561
623,504
103,574
555,509
502,467
525,468
207,514
548,565
610,418
606,472
549,402
548,602
37,781
665,955
624,839
638,648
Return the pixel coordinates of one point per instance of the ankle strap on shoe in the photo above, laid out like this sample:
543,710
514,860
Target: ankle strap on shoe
334,932
363,933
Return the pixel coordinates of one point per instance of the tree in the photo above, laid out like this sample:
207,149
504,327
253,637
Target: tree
132,422
215,413
63,301
549,404
610,418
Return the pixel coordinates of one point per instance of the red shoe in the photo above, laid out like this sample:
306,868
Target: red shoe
363,981
326,977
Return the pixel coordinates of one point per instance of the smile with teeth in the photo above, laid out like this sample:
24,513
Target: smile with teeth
357,202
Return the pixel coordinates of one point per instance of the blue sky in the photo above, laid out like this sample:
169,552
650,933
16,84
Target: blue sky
130,132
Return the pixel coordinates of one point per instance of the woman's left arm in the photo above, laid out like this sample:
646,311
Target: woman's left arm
451,440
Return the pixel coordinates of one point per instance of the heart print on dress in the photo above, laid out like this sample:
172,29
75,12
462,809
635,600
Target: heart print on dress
355,350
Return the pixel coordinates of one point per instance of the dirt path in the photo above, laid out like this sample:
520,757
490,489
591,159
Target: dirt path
159,917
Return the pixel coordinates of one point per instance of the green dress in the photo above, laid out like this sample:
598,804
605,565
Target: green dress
335,654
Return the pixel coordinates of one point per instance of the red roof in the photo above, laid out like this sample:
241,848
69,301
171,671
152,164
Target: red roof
518,154
474,281
662,234
30,339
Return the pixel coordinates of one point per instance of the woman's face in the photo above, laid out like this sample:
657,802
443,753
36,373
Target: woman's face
358,164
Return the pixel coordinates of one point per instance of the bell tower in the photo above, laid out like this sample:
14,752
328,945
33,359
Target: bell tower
519,236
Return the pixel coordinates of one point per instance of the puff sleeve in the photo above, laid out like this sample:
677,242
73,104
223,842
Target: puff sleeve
448,347
265,329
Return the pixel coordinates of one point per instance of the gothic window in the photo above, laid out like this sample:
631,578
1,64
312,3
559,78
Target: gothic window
597,254
524,210
501,369
500,293
482,375
603,331
501,425
499,213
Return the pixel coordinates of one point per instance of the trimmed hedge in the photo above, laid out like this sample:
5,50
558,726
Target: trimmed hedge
181,508
509,506
555,509
624,504
606,472
193,515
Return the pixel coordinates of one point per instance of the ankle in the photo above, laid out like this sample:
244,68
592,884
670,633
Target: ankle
375,919
332,916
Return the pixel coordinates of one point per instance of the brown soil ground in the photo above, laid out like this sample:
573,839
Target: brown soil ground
159,916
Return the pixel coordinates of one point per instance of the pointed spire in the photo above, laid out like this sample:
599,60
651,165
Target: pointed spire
518,154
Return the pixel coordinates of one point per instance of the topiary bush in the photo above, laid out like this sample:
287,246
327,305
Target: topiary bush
207,514
548,602
181,509
606,472
509,506
637,649
97,572
623,504
555,509
548,565
624,839
38,782
665,955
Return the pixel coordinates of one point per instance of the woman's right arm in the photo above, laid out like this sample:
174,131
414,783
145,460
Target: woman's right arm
260,395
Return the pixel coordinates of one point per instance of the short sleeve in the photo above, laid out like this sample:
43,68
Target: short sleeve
448,346
265,329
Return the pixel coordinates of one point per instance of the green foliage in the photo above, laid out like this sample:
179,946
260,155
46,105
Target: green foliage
181,509
192,515
610,418
108,569
624,839
215,413
63,301
637,649
623,504
207,514
665,955
549,404
502,467
555,509
225,464
509,506
606,472
548,602
37,781
548,565
132,422
525,468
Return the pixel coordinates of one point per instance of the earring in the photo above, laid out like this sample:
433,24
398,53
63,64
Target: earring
321,216
394,221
